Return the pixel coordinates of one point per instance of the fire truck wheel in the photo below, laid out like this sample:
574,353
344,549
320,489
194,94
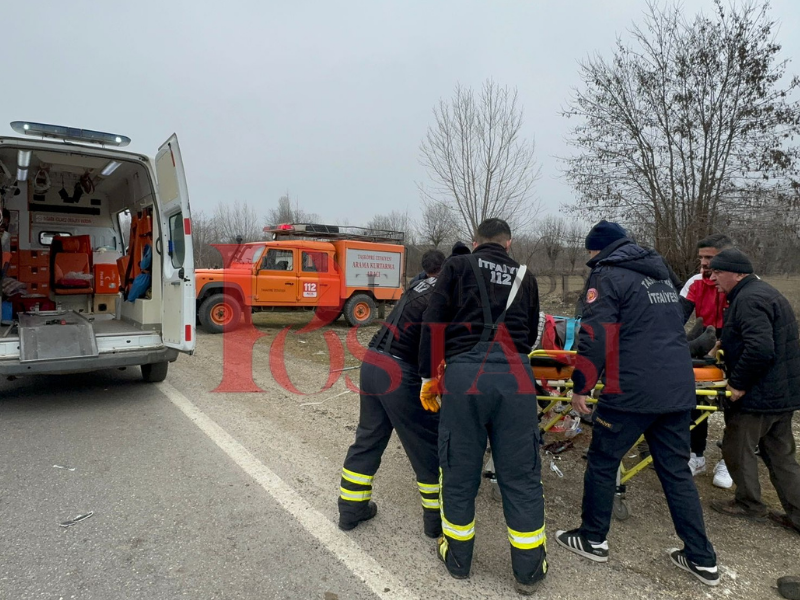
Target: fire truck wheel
219,313
360,310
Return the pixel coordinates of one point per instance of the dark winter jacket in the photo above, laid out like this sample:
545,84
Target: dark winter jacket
762,348
407,318
632,334
456,302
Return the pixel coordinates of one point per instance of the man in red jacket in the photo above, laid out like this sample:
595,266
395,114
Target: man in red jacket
700,294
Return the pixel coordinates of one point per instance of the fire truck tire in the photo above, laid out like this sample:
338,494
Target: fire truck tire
219,313
155,372
360,309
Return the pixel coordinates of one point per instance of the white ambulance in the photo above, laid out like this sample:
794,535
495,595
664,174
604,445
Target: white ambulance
98,270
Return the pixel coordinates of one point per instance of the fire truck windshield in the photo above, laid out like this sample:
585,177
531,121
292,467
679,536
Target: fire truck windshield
247,254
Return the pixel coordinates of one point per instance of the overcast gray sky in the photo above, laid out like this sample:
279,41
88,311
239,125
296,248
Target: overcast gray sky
328,100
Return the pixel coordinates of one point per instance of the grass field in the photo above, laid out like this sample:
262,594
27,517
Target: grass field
789,287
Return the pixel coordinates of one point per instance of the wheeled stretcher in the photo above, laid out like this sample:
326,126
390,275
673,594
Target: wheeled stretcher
552,370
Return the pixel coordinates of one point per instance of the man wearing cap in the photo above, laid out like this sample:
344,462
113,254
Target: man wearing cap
762,358
632,338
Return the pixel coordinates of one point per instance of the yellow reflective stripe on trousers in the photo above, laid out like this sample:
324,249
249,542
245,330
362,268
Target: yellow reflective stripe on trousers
428,488
430,502
358,478
526,540
462,533
355,496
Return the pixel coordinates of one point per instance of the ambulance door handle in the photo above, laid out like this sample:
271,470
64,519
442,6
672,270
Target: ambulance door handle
288,283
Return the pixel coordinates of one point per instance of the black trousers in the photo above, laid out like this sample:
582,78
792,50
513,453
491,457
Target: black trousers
485,399
772,433
667,435
699,435
384,410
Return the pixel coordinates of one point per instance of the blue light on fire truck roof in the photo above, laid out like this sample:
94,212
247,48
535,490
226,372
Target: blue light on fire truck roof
70,133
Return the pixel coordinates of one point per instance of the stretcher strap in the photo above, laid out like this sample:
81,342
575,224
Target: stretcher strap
572,325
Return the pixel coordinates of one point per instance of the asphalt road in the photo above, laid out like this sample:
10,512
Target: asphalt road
202,493
173,516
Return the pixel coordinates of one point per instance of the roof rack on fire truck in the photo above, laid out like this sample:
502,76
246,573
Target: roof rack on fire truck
334,232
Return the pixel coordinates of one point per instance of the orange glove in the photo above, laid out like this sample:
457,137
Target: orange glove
431,395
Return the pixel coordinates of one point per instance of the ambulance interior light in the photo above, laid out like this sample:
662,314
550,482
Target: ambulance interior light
109,168
23,159
22,174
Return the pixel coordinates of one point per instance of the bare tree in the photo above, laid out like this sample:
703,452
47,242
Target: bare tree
394,221
552,232
687,122
574,247
204,234
524,247
477,160
235,220
289,212
437,225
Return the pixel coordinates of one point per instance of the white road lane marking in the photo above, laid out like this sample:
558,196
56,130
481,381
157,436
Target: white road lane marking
382,583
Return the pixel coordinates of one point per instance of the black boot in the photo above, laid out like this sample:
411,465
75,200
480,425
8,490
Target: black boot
432,523
351,521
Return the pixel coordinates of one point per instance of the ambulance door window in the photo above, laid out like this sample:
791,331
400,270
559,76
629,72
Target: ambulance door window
177,243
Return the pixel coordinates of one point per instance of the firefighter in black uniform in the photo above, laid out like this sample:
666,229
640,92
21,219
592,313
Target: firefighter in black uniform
632,338
488,308
390,386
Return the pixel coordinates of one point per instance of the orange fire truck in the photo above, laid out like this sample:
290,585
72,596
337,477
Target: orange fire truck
334,270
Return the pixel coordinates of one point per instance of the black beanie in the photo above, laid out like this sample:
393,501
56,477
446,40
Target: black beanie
603,234
733,261
460,248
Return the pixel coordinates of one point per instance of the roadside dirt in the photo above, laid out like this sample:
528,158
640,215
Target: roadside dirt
304,438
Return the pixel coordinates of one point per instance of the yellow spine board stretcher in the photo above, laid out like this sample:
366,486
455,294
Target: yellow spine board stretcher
552,369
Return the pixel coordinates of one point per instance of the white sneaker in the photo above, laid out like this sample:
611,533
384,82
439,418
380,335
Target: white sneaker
722,479
697,464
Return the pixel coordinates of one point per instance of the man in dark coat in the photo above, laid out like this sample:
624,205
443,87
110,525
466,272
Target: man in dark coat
761,349
632,338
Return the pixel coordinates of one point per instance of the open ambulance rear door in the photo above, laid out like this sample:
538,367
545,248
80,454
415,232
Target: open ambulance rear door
178,308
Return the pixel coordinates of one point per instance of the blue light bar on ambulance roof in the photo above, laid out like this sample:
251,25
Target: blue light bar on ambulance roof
69,133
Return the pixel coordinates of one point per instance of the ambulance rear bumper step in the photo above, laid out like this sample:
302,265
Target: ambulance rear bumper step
55,336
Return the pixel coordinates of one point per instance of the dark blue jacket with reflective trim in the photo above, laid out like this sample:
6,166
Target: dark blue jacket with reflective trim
632,336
